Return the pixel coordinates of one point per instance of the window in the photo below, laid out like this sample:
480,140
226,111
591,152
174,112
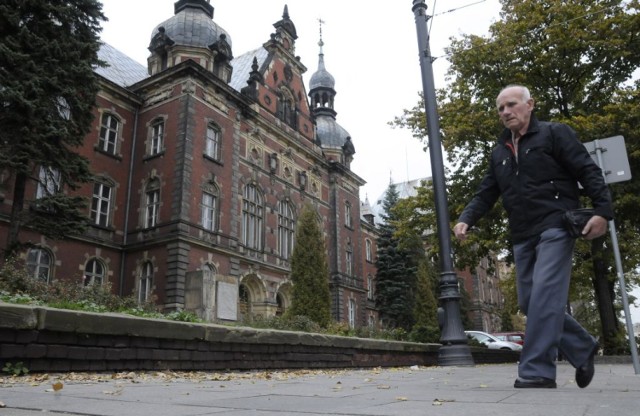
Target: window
286,109
157,137
212,145
94,272
64,110
49,180
152,203
349,260
367,247
209,201
348,220
286,227
39,263
101,204
146,282
108,134
252,212
352,313
370,287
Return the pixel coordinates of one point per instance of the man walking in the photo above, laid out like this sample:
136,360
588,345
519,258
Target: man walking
535,168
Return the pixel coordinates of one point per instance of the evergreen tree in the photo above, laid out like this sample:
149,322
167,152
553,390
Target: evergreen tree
396,270
48,53
426,328
311,296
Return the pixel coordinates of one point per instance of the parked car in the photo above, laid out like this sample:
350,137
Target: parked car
492,342
516,337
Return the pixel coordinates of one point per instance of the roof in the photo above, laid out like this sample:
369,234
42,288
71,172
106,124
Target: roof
121,69
242,67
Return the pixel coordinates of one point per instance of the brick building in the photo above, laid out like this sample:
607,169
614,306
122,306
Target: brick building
203,160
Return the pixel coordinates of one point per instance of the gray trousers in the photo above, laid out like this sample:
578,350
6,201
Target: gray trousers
543,273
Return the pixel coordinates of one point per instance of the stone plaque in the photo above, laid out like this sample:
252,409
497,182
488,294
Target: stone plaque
227,301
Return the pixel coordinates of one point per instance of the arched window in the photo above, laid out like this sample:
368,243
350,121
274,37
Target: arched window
286,228
146,282
39,262
109,127
152,203
287,108
280,301
252,218
94,272
244,302
367,247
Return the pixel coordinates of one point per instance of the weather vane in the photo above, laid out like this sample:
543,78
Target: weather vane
320,22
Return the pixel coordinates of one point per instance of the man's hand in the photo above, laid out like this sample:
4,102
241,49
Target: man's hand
460,231
596,227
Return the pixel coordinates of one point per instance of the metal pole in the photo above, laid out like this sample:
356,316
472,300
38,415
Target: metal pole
455,349
620,273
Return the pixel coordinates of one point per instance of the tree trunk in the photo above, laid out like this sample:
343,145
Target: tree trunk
15,221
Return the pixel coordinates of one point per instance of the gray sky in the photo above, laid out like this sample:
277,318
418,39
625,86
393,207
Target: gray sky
370,48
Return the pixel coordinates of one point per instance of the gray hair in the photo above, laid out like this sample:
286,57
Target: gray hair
526,95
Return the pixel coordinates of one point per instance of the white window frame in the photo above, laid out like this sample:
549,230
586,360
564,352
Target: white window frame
348,219
156,144
352,307
209,211
252,217
101,204
367,247
212,142
94,272
109,131
286,229
40,264
152,204
146,282
49,182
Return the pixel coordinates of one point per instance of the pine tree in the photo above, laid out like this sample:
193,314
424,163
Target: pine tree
48,53
395,278
311,296
426,328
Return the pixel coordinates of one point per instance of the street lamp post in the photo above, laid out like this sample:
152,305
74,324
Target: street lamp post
455,348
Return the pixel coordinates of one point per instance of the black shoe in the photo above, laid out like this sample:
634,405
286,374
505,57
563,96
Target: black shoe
584,373
534,383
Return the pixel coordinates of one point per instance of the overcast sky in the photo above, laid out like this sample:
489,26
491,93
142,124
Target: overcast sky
370,48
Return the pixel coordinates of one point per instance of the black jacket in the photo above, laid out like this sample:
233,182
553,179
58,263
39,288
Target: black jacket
542,183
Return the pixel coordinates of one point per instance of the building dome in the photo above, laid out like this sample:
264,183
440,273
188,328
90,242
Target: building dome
192,25
322,78
330,134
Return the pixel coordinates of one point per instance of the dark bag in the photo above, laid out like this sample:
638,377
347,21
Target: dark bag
576,219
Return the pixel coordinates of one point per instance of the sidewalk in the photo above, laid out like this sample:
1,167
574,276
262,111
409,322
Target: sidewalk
452,391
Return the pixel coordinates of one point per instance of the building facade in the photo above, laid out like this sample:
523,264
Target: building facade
202,163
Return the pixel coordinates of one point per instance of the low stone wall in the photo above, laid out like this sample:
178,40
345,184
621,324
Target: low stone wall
56,340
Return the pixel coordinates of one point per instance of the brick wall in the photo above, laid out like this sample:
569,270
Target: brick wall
54,340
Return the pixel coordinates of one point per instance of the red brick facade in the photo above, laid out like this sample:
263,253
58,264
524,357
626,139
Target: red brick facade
199,184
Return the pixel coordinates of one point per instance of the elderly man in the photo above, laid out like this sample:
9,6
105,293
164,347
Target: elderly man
535,168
